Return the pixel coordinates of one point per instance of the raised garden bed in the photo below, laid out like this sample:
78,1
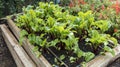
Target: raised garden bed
45,32
101,60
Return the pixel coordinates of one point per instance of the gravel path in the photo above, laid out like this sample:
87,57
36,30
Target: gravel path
6,59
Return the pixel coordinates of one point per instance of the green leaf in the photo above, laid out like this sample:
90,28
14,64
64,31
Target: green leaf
62,63
80,54
56,61
103,25
89,56
50,21
70,41
62,57
23,33
114,41
38,54
53,42
83,64
32,38
21,40
72,59
35,50
43,43
108,49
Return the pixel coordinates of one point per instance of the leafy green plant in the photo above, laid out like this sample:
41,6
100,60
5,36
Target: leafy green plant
72,59
48,25
98,40
70,41
117,34
62,57
22,34
101,25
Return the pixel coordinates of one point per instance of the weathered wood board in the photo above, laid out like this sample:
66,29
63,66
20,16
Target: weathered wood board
20,56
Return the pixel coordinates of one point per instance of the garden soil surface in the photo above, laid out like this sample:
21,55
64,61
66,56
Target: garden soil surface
6,60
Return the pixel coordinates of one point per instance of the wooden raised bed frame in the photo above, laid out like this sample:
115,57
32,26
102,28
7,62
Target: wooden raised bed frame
20,56
98,61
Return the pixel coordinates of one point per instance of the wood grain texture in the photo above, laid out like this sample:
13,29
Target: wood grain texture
14,54
22,55
40,61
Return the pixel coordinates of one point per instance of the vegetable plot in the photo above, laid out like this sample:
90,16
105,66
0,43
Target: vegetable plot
74,39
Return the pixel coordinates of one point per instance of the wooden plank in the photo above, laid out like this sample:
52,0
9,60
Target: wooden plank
14,54
14,28
41,61
104,60
26,61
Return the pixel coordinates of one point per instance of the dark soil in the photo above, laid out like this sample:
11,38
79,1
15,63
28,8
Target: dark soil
49,57
58,53
6,60
67,57
116,63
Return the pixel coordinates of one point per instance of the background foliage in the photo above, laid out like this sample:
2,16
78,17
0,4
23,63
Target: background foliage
8,7
13,6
